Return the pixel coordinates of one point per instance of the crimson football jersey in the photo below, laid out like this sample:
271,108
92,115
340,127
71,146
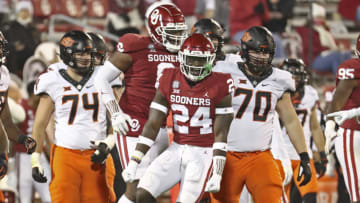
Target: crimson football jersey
350,70
194,107
148,61
27,124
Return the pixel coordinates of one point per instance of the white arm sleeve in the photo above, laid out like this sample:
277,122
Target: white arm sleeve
107,73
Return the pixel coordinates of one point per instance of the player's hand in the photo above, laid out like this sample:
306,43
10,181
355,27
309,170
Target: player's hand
101,152
304,169
330,135
129,173
3,165
37,170
28,142
320,166
341,116
213,184
120,121
288,174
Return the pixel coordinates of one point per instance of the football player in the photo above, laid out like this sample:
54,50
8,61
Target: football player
347,138
142,60
80,116
200,101
304,100
7,127
260,90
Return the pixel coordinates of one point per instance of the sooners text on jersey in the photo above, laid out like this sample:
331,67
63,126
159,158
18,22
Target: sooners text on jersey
193,108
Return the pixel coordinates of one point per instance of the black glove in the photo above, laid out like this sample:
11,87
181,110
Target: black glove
38,175
259,8
304,168
28,142
101,153
3,165
321,165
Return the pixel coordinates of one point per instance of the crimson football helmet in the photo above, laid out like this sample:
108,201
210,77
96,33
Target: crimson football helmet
196,57
166,25
4,50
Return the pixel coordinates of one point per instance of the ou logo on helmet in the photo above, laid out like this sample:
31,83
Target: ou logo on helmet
135,125
155,16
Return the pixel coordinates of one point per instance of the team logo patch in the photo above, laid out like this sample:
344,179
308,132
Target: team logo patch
175,84
151,47
67,42
68,88
246,37
135,125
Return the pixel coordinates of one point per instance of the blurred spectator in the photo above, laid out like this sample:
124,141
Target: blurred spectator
245,14
33,67
22,37
123,15
280,11
327,56
204,9
221,15
4,11
350,9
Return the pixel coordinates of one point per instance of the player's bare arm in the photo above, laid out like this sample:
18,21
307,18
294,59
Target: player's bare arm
122,61
43,114
222,123
42,118
291,122
316,131
341,95
288,116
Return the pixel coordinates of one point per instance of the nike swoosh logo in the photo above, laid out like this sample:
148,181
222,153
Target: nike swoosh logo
264,85
89,86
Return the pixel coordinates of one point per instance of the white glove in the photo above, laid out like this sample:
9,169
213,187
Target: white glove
288,174
330,134
129,173
37,170
119,124
213,184
341,116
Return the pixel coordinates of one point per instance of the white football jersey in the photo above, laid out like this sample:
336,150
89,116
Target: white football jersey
57,66
80,115
254,105
4,85
303,110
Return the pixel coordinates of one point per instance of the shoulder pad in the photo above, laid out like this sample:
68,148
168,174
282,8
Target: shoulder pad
349,69
133,42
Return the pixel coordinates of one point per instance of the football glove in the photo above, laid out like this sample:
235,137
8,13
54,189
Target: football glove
330,134
28,142
341,116
103,148
120,121
37,170
304,169
3,165
129,173
320,166
213,184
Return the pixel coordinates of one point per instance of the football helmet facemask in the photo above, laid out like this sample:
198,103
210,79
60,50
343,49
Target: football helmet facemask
258,40
196,57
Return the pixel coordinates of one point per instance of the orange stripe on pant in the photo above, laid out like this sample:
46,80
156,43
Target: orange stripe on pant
310,187
75,178
257,170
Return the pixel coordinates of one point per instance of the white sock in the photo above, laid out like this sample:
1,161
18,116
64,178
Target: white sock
124,199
